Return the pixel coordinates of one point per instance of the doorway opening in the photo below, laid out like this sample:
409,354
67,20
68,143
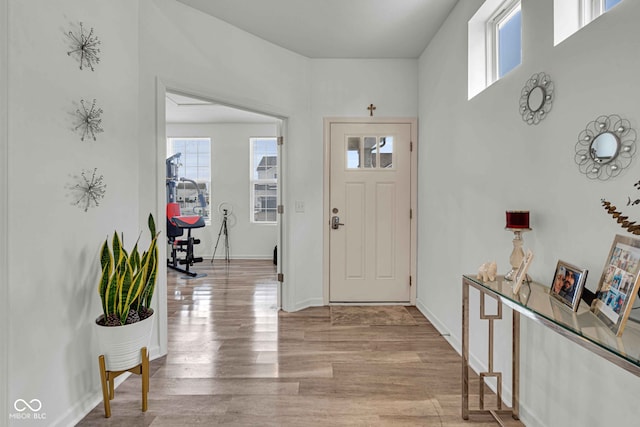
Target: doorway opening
222,187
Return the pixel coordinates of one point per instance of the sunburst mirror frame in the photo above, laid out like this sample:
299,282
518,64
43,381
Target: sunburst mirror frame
610,129
536,98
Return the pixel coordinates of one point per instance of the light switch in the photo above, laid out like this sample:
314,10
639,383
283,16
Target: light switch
299,206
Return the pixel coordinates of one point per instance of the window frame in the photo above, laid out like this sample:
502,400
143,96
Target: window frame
170,151
592,9
264,181
502,14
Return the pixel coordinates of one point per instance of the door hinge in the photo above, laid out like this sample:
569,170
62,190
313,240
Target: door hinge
410,145
280,209
410,281
281,140
410,213
280,277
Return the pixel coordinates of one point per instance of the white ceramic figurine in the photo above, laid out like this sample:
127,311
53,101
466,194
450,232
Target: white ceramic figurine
487,271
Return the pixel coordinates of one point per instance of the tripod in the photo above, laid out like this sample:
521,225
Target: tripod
223,230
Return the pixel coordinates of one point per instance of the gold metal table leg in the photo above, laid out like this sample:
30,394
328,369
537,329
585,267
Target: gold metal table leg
498,411
465,350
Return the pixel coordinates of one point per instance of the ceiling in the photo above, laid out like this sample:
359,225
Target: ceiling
336,28
185,109
317,29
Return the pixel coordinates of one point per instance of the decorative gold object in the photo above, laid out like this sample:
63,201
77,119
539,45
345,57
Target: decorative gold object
371,107
621,219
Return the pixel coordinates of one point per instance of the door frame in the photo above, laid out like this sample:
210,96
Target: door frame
326,215
164,85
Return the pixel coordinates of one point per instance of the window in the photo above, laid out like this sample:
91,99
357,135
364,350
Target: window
505,30
367,152
264,179
569,16
591,9
494,43
192,188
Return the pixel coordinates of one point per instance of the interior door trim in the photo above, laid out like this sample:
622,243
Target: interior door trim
326,184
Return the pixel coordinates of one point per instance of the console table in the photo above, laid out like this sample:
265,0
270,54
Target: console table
534,302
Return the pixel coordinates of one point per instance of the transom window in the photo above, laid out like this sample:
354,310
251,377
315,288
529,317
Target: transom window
594,8
494,43
506,35
264,179
569,16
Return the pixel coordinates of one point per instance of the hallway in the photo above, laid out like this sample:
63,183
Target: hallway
233,360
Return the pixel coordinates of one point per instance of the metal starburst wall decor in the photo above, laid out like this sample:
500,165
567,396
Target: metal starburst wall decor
84,47
88,190
89,122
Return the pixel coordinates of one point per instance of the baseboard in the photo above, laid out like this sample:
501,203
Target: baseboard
454,341
77,412
239,257
311,302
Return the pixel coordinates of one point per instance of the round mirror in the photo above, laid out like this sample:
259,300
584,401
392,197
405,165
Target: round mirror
535,100
604,147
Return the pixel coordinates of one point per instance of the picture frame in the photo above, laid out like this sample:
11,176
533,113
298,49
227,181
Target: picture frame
618,285
568,283
521,273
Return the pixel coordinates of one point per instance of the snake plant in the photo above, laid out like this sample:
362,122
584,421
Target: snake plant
128,280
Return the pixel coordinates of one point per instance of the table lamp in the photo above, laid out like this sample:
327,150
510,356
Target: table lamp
517,222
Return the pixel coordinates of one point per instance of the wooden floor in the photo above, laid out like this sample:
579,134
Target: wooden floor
234,360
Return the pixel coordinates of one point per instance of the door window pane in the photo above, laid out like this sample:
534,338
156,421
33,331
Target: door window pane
353,152
370,151
386,151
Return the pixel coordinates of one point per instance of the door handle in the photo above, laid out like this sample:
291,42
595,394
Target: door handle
335,222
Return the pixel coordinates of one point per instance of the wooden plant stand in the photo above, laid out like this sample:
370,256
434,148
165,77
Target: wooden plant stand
107,378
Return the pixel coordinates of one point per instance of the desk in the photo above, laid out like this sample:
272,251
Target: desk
534,302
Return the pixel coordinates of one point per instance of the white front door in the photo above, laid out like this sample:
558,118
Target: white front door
370,204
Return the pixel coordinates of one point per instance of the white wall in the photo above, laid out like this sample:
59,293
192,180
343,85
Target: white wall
478,159
343,88
230,151
54,245
4,188
186,50
471,171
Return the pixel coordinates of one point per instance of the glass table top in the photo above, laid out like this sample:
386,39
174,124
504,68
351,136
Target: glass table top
534,301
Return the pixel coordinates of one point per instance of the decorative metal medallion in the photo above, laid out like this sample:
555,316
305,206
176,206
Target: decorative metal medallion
605,147
84,47
536,98
88,190
89,122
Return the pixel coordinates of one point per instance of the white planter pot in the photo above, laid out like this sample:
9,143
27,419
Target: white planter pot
121,345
